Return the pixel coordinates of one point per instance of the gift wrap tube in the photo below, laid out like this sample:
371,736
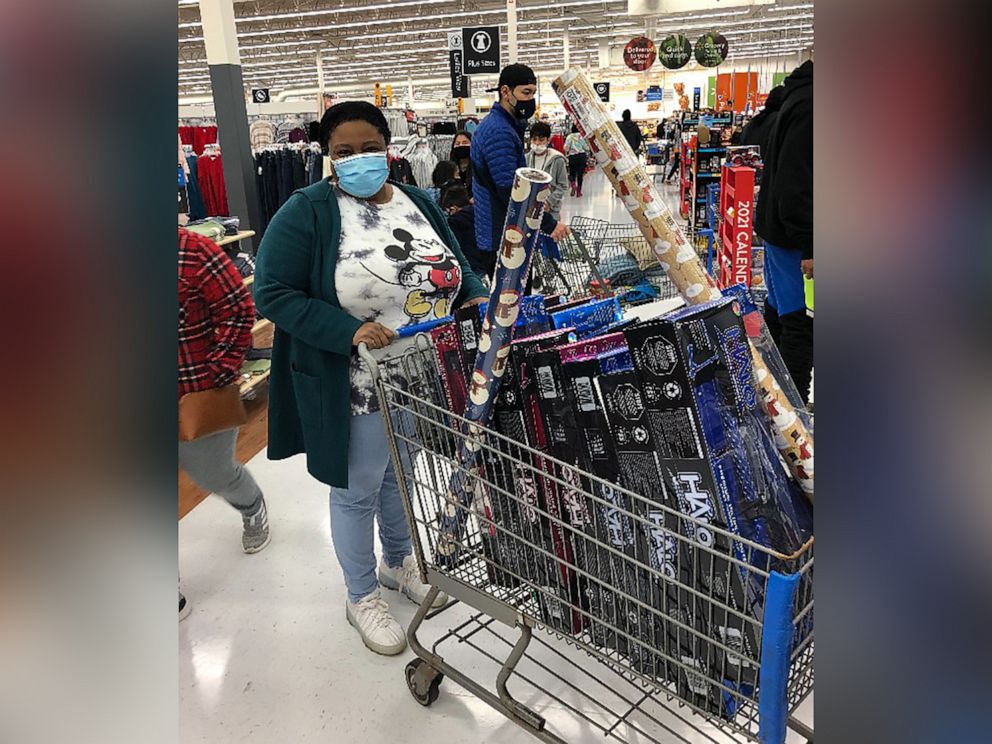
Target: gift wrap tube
675,253
528,197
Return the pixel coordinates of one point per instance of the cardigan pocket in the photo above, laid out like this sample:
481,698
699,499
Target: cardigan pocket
309,401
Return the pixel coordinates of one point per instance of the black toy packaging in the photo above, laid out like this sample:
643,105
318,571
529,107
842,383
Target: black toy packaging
560,591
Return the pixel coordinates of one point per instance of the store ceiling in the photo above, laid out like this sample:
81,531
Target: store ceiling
360,42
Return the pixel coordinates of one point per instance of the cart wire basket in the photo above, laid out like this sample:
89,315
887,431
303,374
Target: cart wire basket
665,633
624,260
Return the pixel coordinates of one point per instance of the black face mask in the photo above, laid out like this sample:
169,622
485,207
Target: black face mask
525,109
462,152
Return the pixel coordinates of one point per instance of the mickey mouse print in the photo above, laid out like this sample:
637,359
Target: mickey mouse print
393,269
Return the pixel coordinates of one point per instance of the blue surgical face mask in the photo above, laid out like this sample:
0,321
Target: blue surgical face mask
362,175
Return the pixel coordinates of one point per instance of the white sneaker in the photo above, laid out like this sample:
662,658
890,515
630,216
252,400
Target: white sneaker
378,628
406,579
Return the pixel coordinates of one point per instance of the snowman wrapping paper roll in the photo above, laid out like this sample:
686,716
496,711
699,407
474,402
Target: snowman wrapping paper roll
675,253
528,197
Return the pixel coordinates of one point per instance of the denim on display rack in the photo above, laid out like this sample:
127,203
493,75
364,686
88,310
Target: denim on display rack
197,209
279,172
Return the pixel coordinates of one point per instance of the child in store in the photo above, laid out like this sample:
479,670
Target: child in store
457,203
552,162
445,174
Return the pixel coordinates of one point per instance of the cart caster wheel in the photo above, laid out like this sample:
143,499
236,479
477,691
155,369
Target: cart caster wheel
424,682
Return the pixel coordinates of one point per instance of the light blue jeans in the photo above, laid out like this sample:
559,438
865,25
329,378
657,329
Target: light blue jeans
372,494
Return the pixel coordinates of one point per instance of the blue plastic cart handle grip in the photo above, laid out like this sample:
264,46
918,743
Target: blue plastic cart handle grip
776,646
412,330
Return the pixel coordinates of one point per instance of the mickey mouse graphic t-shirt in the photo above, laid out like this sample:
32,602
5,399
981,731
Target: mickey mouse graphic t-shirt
393,269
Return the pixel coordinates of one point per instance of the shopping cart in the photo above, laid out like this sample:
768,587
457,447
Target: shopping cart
574,274
644,630
629,264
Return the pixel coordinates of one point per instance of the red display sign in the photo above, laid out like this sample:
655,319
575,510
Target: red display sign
736,225
640,53
740,263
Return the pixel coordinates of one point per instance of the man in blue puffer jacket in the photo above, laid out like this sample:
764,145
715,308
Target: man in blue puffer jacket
497,152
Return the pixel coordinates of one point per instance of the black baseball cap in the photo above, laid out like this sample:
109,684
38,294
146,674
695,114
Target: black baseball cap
514,75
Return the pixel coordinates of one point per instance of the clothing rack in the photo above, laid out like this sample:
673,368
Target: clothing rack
280,169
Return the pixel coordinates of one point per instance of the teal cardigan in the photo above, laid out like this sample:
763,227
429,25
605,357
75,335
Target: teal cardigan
310,385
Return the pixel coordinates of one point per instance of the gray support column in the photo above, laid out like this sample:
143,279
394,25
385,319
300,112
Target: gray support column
227,84
511,30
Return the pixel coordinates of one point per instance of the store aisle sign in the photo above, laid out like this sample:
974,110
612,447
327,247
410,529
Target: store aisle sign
675,51
603,91
639,54
711,49
696,94
260,95
459,80
481,45
654,93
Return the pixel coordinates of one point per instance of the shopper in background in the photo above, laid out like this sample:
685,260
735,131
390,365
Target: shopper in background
675,134
785,223
631,132
552,162
542,157
576,150
461,155
456,201
216,314
497,153
444,175
343,264
757,130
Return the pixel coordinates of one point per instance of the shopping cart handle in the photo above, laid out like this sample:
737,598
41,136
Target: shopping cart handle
412,330
366,356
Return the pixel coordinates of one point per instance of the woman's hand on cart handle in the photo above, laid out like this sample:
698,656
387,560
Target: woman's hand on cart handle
561,231
374,335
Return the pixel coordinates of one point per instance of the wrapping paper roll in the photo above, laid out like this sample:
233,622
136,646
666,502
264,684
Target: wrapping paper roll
674,251
528,197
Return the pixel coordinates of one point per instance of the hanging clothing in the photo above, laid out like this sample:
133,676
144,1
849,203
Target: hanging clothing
399,127
198,137
315,167
423,161
401,171
182,158
313,131
197,209
261,133
210,171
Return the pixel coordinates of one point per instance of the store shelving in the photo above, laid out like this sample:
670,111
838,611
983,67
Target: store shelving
705,166
237,237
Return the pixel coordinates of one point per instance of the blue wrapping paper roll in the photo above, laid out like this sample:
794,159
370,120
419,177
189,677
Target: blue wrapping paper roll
528,197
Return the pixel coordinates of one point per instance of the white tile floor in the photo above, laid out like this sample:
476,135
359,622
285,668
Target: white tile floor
267,655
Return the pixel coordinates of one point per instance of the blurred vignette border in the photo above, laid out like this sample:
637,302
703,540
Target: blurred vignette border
903,400
88,539
88,545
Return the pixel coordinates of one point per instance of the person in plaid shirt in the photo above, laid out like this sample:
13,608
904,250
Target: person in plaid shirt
216,313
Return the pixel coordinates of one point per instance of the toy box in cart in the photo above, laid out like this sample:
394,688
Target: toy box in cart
717,460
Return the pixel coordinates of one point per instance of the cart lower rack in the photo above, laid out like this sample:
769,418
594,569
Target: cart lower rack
666,634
